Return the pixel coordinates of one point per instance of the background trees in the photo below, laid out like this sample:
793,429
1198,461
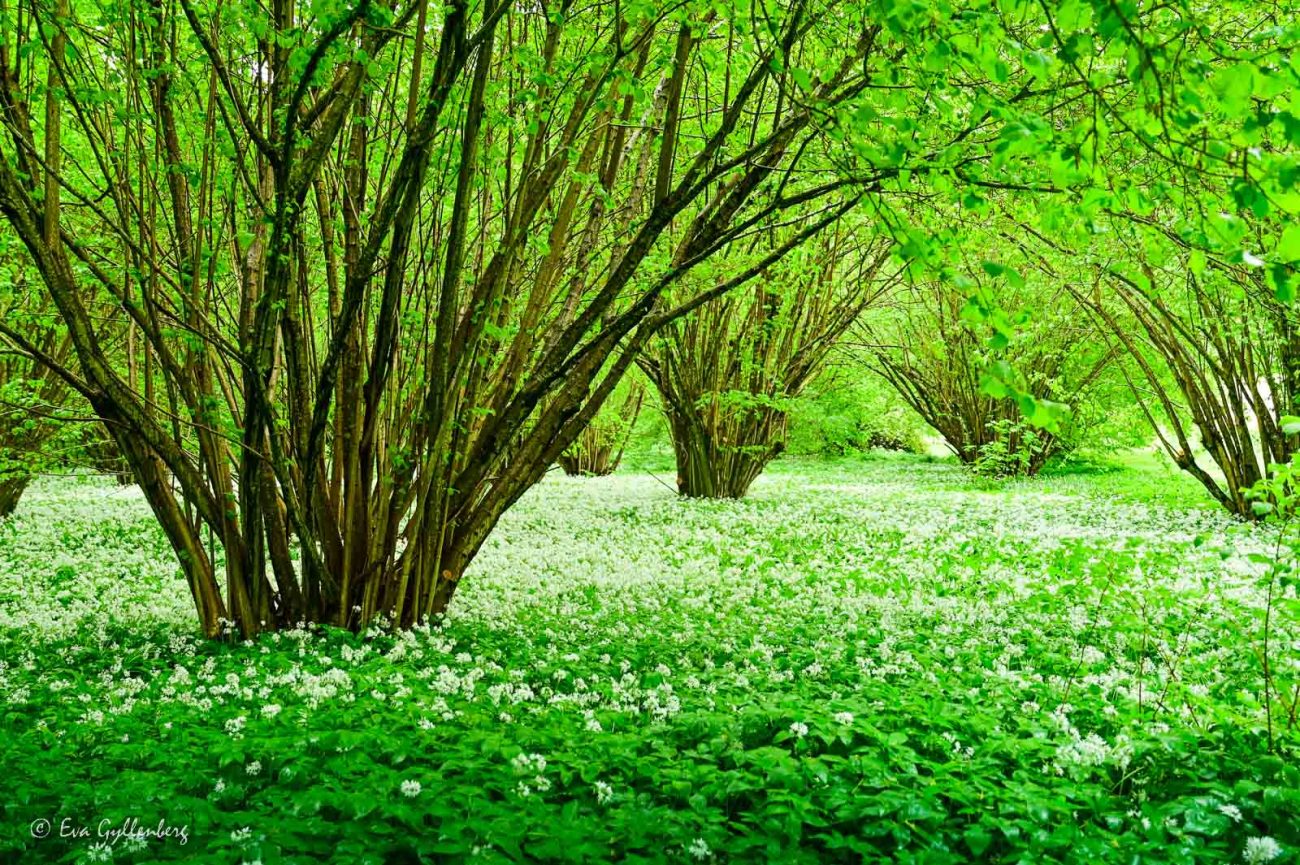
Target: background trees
1215,358
984,374
599,447
847,410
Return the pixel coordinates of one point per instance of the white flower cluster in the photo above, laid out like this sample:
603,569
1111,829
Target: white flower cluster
533,765
698,849
1260,850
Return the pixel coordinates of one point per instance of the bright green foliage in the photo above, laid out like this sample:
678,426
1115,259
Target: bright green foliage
846,411
345,278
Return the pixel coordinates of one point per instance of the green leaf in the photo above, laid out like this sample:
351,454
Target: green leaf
1283,285
1235,86
1288,248
977,839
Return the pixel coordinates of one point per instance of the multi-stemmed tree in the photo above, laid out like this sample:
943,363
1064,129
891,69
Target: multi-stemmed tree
930,344
1215,354
346,278
385,268
726,373
599,448
35,403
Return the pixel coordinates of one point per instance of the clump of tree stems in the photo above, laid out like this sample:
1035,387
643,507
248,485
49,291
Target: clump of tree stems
1215,357
598,450
342,281
380,263
932,345
726,374
33,398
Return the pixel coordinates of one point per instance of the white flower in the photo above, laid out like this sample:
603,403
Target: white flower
844,717
410,789
527,764
254,767
239,836
799,728
270,710
99,853
604,792
698,849
219,786
1260,850
1231,811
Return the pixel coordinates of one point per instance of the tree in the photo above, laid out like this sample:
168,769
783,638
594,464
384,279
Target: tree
929,344
384,282
371,267
1216,357
727,373
35,401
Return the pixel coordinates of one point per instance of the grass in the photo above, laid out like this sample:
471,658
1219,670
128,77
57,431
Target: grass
868,660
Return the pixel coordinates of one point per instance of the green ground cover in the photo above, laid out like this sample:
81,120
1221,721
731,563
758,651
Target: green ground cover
867,661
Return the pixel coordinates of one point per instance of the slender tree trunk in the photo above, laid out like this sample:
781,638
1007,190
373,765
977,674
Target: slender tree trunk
455,361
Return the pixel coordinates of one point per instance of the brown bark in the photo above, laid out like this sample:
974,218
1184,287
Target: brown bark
11,491
1219,344
726,373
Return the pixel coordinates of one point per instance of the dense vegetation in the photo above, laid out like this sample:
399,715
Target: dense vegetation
342,280
302,302
1063,670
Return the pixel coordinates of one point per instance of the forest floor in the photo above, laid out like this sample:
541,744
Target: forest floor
868,660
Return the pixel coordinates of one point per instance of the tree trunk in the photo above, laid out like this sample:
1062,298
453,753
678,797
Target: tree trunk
452,358
722,460
11,490
589,459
